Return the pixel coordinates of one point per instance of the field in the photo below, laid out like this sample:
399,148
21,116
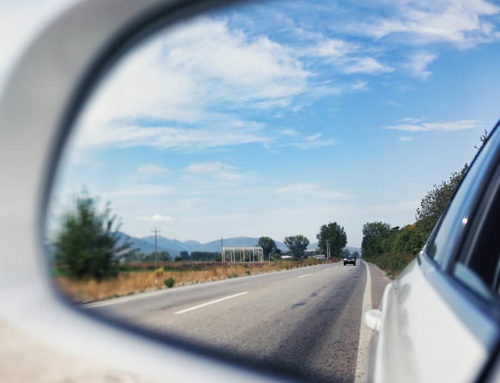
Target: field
139,277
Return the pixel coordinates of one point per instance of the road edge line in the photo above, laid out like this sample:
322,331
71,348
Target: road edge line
364,332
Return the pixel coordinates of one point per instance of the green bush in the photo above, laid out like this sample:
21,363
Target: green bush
88,243
169,282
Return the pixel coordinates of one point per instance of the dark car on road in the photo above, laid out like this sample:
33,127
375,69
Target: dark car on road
351,259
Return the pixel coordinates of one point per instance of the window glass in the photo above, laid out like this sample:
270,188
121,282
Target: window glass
479,268
458,214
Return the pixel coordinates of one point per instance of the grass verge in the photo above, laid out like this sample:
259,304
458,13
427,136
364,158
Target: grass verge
140,277
392,264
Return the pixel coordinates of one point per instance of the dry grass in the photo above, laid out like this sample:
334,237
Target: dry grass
184,274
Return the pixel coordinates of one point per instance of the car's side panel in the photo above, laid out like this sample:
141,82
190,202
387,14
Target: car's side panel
420,327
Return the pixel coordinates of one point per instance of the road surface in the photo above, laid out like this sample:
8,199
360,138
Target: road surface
303,322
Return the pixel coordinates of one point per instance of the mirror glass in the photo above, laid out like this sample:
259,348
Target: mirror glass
216,185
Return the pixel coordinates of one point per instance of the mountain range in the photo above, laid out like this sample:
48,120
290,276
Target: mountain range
174,246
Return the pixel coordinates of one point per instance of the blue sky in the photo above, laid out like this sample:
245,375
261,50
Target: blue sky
277,117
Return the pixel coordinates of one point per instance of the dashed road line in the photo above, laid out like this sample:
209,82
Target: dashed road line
210,303
304,275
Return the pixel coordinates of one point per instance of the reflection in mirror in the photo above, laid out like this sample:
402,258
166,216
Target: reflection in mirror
220,178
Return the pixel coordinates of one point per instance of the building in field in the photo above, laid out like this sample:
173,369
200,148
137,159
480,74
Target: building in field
242,254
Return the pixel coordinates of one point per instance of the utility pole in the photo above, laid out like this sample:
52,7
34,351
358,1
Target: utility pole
222,255
327,249
156,231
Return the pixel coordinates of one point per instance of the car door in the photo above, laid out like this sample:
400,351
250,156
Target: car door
440,317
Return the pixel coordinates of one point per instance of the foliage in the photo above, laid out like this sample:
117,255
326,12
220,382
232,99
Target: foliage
297,245
391,248
204,255
332,235
355,254
137,256
163,256
374,234
268,246
184,255
483,138
169,282
393,263
408,240
87,245
434,203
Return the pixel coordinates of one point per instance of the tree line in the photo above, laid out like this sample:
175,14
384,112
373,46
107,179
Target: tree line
331,235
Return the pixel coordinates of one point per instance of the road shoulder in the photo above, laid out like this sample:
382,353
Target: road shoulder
376,280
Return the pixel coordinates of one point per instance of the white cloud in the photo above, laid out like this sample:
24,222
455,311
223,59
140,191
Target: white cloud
289,132
348,57
214,169
297,188
313,137
119,135
151,169
184,78
312,143
156,218
367,65
450,126
460,22
358,85
332,49
418,62
411,119
405,139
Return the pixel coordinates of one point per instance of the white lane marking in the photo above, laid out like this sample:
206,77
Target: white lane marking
304,275
210,303
364,332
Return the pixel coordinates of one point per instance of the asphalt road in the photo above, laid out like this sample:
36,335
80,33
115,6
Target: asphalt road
303,322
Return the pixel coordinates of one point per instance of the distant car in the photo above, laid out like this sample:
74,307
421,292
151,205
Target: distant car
440,319
351,259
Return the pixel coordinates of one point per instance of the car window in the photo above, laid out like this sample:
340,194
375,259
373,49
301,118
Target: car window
443,244
479,268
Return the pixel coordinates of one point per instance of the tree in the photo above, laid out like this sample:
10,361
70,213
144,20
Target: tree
163,256
297,245
87,245
332,236
483,138
374,234
268,246
408,240
184,255
355,254
434,203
